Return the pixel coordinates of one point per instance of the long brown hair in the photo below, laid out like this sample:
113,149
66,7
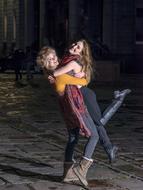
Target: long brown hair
87,60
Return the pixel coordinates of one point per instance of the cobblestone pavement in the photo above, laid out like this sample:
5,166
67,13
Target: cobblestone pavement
33,136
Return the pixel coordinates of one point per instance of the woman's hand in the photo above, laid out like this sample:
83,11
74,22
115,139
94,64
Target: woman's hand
51,79
80,75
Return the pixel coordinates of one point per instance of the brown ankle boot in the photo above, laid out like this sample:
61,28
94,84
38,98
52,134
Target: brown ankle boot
69,174
81,170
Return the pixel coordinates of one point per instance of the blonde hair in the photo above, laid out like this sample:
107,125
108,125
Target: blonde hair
42,55
87,60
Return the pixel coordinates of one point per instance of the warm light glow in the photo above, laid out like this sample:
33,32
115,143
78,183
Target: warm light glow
5,27
14,27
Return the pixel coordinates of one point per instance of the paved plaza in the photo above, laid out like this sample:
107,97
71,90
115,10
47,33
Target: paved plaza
33,137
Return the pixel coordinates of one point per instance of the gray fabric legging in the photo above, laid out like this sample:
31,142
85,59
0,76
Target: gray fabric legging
94,110
74,137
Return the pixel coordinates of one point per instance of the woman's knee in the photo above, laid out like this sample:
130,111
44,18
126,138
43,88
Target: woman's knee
73,139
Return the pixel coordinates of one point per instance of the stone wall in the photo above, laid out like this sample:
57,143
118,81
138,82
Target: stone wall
108,71
119,26
11,9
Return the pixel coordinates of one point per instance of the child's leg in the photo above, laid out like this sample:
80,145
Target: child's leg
94,109
95,113
72,141
92,105
114,106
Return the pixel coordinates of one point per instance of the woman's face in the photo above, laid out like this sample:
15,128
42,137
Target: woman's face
52,61
76,48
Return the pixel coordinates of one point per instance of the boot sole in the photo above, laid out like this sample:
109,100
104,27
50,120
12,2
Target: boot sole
70,180
116,155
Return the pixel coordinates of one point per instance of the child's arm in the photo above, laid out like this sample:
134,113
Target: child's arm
65,79
68,79
80,74
65,69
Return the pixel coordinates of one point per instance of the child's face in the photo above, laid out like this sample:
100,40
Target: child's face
51,61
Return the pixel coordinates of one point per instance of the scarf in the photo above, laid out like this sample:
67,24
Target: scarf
72,103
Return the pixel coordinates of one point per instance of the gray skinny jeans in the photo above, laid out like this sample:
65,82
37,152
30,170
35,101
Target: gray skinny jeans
74,137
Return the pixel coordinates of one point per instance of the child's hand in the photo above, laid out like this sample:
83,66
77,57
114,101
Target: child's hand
51,79
80,75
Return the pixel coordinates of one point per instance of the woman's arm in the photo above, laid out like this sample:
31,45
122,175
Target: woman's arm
69,67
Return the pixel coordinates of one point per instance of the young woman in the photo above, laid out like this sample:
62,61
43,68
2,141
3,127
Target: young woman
76,115
80,55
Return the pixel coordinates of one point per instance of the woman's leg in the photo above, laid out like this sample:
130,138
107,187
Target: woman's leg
82,168
69,175
93,139
72,141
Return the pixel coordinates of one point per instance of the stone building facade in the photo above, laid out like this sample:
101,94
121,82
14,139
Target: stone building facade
38,22
18,24
139,36
12,25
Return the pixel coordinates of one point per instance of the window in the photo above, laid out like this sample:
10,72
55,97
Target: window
139,12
